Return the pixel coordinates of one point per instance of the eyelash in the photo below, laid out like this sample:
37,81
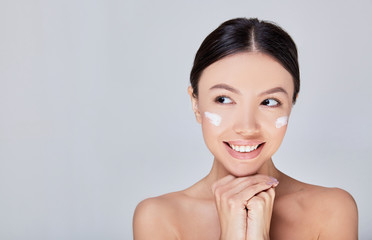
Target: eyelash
222,96
218,98
279,103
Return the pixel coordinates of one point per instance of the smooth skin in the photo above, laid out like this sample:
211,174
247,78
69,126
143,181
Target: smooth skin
246,198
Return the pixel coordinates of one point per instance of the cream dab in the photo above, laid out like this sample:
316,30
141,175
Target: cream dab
215,119
281,122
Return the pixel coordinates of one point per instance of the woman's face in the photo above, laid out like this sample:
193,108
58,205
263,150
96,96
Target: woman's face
243,104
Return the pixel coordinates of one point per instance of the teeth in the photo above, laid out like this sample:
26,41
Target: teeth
244,148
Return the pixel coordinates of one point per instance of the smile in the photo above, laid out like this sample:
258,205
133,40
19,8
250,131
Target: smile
244,150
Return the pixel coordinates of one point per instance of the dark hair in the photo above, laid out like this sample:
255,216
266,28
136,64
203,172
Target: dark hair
247,35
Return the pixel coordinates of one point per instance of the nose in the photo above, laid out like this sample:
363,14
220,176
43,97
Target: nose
246,121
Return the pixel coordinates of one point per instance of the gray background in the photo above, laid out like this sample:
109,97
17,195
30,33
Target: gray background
95,116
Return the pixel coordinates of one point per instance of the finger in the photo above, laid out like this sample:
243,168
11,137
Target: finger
228,188
221,182
271,194
267,195
264,198
230,185
243,184
238,196
247,181
251,180
243,191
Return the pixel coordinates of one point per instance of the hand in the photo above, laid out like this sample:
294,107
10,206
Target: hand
259,209
244,206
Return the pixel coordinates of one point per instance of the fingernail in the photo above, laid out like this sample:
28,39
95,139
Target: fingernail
273,181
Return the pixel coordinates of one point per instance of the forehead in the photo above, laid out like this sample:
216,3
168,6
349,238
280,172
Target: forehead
249,71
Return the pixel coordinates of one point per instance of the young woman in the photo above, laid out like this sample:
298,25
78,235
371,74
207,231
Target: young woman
244,82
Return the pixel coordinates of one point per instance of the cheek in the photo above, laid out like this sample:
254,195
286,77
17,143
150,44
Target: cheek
274,127
213,126
213,118
281,122
216,121
277,131
272,120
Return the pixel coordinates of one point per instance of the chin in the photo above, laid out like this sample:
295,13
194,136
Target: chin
242,171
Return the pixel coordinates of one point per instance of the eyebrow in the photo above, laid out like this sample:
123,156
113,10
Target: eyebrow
274,90
234,90
226,87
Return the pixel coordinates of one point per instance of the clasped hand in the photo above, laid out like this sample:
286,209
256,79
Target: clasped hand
244,206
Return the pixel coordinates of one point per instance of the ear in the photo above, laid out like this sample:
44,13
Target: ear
195,104
295,99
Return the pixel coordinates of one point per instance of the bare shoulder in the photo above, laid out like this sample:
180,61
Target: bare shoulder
335,209
325,194
340,214
330,200
155,218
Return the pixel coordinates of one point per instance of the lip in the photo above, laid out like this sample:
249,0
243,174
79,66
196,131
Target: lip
246,155
245,142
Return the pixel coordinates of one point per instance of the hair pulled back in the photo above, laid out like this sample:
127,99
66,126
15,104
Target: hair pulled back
247,35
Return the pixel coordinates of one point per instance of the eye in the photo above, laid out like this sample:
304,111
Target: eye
270,102
223,100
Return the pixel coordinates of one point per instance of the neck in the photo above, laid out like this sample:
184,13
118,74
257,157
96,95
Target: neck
218,171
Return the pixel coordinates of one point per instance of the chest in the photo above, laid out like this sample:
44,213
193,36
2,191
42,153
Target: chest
293,220
290,220
203,230
200,222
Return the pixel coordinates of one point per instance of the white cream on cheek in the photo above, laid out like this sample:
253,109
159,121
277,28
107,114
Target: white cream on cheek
281,122
213,118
